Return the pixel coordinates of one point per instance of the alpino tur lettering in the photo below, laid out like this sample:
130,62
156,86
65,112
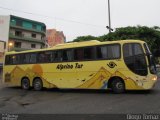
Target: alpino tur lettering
67,66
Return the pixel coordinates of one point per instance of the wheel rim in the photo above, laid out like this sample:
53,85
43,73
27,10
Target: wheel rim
25,84
120,85
37,85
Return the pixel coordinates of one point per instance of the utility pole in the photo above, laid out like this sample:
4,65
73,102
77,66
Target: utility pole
109,18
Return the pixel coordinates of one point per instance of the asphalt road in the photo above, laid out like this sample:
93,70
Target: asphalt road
16,100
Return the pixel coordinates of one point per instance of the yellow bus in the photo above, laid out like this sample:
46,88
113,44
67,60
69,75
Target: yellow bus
116,65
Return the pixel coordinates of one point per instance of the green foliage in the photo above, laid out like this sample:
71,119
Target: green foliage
151,35
85,38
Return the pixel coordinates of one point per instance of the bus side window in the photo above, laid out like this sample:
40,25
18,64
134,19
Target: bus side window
26,58
108,51
67,55
21,56
44,57
98,53
41,57
7,60
57,56
15,59
33,57
78,54
89,53
101,52
48,56
113,51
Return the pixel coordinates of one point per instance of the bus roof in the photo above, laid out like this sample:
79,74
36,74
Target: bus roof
78,44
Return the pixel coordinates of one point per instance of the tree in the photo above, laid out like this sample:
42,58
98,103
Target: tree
85,38
151,35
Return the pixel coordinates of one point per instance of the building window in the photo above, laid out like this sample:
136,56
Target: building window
33,35
34,26
43,28
18,33
33,45
19,23
42,37
4,45
17,44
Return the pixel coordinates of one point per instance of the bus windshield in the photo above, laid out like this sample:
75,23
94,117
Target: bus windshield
152,65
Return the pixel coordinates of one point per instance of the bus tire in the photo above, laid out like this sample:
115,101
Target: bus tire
37,84
118,86
25,84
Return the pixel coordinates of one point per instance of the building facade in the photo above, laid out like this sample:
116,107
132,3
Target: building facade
2,50
19,34
25,34
55,37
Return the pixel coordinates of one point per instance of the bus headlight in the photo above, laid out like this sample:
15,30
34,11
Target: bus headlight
154,78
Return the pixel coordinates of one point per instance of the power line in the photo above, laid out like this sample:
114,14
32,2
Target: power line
55,18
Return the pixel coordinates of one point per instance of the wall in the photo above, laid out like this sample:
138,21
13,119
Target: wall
4,28
27,45
26,24
2,49
27,30
26,34
55,37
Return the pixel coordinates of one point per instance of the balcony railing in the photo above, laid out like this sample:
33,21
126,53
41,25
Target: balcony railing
22,37
19,49
27,29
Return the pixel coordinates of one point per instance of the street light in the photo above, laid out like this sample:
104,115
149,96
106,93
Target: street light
10,45
109,18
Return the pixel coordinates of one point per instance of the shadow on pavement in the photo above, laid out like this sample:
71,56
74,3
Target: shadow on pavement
86,91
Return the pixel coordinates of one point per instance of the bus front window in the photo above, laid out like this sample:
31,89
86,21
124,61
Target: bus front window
134,58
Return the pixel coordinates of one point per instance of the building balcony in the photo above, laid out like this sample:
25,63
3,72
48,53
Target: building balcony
27,29
19,49
27,39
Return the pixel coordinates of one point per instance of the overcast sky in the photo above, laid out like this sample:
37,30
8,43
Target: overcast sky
85,17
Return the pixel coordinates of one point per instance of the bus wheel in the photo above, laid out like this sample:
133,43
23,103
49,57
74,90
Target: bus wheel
37,84
25,84
118,86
